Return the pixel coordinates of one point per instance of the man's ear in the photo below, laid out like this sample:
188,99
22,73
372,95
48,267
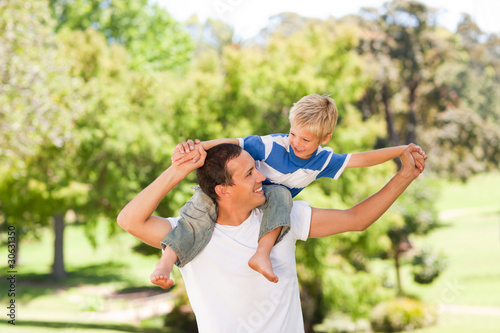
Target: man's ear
222,191
326,139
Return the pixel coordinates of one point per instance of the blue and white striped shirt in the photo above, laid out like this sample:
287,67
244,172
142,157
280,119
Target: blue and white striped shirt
276,160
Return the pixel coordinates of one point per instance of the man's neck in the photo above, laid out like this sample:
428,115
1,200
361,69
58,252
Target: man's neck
230,216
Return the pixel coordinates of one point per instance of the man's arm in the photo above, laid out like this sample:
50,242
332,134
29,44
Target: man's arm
375,157
326,222
136,217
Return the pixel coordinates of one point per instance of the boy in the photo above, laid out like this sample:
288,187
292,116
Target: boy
293,160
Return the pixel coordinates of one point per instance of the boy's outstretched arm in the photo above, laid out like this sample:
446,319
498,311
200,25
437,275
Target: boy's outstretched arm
182,149
326,222
379,156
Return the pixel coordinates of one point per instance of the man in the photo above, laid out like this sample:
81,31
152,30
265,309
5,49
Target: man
225,294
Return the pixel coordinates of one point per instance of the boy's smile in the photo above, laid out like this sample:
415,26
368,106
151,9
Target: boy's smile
304,143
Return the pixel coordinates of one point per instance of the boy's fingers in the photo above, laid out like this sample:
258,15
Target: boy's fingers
185,145
180,148
419,161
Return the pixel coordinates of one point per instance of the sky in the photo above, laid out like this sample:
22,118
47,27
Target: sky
248,17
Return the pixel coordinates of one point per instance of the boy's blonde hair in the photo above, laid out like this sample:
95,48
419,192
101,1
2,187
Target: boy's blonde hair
317,113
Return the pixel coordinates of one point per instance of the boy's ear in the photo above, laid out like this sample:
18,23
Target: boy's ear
326,139
222,191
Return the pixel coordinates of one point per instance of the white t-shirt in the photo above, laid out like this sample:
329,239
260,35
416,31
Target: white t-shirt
227,296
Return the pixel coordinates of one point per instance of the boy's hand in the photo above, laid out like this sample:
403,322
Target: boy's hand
187,146
181,151
196,159
419,157
413,160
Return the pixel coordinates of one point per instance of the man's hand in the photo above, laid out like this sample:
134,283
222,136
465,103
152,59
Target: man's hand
182,151
413,161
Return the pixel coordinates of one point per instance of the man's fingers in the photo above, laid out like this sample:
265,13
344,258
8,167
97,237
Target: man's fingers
200,157
183,159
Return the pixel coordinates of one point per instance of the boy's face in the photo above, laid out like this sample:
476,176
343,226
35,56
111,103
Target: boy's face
305,143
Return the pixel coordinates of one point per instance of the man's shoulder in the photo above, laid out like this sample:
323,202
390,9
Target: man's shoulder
300,217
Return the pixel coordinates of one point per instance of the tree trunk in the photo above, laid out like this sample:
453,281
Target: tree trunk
58,270
389,119
398,272
411,135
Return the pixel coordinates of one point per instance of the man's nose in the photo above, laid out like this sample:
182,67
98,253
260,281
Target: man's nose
260,177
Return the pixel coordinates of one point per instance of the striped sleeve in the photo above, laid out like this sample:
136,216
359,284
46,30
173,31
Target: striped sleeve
254,145
335,166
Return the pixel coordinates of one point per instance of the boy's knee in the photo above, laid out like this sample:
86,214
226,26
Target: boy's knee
279,193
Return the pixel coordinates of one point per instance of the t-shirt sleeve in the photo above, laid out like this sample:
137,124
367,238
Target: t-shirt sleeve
300,217
254,145
173,221
336,165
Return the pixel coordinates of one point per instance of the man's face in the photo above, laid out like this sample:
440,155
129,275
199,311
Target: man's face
247,188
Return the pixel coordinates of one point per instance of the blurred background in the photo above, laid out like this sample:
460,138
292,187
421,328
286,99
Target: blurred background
95,94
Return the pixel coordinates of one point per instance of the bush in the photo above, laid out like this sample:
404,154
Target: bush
355,293
342,323
427,266
401,314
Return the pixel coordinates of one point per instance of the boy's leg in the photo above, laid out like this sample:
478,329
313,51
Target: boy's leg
274,226
261,260
192,233
163,268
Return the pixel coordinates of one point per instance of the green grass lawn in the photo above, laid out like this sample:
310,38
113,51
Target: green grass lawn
93,273
470,239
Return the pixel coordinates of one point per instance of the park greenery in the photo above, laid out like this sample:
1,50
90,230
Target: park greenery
94,96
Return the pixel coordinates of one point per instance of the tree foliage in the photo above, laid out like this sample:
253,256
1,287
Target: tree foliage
153,38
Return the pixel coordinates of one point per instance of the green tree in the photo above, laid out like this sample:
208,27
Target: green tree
466,130
422,74
155,41
38,106
124,134
407,51
403,41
